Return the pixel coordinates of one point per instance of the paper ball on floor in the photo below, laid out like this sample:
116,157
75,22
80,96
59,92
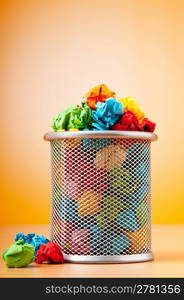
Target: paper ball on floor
51,253
35,240
110,157
19,254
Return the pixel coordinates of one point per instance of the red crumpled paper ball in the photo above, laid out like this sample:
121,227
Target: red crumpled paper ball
147,125
83,177
51,253
129,118
129,122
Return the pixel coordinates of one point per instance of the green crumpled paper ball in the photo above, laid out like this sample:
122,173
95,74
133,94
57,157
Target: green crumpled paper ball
19,254
74,116
121,179
143,213
108,213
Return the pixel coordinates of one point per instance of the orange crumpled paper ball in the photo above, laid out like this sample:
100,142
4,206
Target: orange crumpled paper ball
98,94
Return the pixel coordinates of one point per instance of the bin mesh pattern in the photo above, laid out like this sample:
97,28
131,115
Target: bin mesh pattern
101,200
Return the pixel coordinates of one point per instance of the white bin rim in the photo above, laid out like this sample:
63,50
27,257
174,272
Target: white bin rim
50,136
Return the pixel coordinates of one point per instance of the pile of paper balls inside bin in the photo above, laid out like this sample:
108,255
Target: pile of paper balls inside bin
99,110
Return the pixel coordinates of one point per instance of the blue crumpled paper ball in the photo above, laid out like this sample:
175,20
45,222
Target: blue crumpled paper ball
142,171
127,219
97,235
118,243
95,144
137,154
32,239
107,114
110,242
67,210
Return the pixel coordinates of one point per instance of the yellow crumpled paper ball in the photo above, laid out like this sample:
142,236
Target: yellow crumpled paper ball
89,203
130,104
139,239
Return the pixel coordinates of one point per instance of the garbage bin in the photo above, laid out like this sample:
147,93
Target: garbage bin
101,195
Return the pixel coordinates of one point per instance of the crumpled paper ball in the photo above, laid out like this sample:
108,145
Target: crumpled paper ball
95,179
33,239
111,207
106,114
95,144
121,180
116,243
147,125
135,198
142,171
96,236
129,122
130,104
73,158
19,254
111,242
50,253
57,172
74,116
88,180
98,94
80,241
67,209
72,187
143,213
75,177
136,154
89,203
71,143
110,157
83,177
138,239
127,219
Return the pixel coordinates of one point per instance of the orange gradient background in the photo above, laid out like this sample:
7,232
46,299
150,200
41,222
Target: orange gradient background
52,52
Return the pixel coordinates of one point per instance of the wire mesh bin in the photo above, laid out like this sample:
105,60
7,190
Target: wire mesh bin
101,195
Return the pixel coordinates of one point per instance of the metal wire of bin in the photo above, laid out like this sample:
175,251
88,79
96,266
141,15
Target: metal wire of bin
101,195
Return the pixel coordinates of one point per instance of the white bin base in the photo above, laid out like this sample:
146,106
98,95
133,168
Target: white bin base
116,259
